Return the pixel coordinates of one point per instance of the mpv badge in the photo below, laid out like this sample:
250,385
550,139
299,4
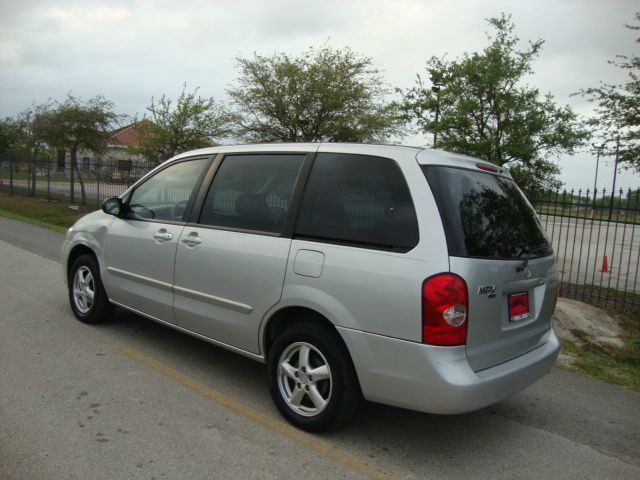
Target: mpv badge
527,272
489,290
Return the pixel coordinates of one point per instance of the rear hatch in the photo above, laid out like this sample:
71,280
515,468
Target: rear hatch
497,245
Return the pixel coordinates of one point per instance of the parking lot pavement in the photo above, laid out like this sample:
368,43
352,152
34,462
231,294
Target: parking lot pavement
581,245
134,399
42,241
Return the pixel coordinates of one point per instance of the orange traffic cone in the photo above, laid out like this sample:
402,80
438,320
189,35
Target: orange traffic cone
605,265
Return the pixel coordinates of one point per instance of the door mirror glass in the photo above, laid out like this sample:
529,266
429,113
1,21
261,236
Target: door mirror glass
112,206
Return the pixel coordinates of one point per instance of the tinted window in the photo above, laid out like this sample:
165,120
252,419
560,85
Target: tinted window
252,192
485,215
357,199
164,196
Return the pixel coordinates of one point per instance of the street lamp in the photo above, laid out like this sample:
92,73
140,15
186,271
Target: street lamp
598,147
615,174
436,87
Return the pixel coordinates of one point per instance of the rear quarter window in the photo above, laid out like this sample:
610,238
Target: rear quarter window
358,200
485,215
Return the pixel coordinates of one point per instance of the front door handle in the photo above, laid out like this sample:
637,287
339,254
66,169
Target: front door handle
162,235
192,239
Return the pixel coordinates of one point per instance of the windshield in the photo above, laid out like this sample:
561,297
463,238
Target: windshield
485,215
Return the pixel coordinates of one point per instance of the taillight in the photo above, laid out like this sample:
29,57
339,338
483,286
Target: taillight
488,168
445,306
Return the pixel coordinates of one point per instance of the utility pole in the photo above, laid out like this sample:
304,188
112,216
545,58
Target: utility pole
437,86
598,147
615,173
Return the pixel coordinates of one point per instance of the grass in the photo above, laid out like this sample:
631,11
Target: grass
613,365
618,369
619,366
55,215
39,177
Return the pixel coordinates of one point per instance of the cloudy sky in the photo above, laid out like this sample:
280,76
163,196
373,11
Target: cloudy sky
129,51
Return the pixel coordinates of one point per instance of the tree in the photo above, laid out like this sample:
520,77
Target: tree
478,106
8,134
78,125
325,95
192,122
24,133
618,110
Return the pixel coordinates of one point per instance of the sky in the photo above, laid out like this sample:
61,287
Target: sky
129,51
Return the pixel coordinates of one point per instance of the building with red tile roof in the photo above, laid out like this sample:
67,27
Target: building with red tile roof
119,155
127,136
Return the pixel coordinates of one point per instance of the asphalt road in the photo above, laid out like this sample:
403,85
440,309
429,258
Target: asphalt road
581,245
133,399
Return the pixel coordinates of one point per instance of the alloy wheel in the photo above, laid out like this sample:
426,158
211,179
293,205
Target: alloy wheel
304,379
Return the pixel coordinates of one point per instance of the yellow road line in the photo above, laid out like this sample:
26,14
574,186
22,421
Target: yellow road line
283,428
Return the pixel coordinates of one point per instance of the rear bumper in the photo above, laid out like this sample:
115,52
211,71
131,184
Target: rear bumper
439,379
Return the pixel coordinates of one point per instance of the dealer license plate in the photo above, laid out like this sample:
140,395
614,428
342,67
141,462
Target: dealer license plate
518,306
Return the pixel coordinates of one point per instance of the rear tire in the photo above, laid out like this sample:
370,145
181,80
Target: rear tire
312,380
87,297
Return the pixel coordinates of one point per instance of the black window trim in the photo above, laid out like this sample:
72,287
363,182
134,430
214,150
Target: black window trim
188,208
365,245
294,202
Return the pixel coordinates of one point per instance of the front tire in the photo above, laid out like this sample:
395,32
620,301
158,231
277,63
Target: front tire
311,377
87,297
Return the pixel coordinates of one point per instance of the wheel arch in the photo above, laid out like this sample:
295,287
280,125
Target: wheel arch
347,383
287,316
76,252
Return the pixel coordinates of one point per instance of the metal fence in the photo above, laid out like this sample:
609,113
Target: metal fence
89,181
595,235
596,238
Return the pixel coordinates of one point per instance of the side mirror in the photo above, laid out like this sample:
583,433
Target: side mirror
112,206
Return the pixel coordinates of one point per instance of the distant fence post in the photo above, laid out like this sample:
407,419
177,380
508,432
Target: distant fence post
49,178
98,182
10,172
28,182
72,191
34,168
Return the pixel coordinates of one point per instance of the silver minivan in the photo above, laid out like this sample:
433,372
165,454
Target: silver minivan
406,276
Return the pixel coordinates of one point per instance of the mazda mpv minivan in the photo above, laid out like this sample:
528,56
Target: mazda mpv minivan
406,276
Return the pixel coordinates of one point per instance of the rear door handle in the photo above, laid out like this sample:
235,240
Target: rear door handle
192,239
162,235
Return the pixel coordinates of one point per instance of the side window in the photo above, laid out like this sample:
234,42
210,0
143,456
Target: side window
164,196
252,192
358,200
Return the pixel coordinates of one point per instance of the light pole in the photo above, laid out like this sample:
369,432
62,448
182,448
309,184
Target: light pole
598,147
437,86
615,174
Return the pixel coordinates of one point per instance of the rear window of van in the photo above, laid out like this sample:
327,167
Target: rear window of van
485,215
